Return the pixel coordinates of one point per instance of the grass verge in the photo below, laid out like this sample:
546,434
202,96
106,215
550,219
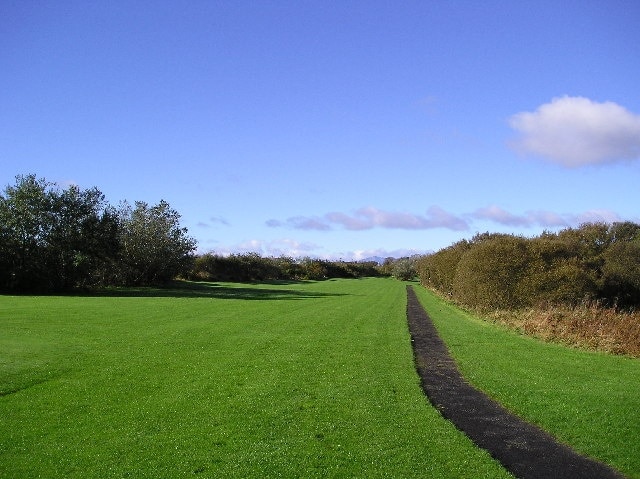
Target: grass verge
311,379
586,399
588,326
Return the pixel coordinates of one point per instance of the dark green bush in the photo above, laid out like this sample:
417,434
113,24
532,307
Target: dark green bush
596,261
621,273
438,270
249,267
488,275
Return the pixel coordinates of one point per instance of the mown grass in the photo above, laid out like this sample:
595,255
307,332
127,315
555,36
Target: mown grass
310,379
586,399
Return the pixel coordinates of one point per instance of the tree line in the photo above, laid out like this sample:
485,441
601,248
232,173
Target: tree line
54,239
593,262
251,267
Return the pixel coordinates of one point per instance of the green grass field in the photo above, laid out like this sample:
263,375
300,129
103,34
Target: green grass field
310,379
588,400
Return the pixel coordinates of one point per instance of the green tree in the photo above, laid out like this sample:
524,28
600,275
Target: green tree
155,248
25,211
83,240
52,239
624,231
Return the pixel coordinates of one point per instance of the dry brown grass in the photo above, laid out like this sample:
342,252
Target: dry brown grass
588,326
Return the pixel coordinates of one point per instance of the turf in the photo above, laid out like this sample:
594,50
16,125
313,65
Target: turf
311,379
587,400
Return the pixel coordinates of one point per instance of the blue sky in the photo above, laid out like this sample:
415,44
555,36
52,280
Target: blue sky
331,129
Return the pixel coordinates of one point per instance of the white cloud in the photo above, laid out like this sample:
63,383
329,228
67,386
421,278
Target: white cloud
439,218
436,217
547,219
393,220
277,247
250,246
359,255
595,216
220,220
214,220
64,184
544,219
576,131
369,217
496,214
289,247
303,223
300,223
353,223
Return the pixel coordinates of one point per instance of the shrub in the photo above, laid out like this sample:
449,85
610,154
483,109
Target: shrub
556,274
250,267
621,273
438,270
489,273
404,269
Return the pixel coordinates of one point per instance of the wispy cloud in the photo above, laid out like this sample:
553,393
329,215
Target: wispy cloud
436,217
369,217
544,219
300,223
595,216
66,183
576,131
498,215
276,248
219,220
354,223
359,255
213,221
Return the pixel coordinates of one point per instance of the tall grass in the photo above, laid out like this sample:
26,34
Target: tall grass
588,325
588,400
311,379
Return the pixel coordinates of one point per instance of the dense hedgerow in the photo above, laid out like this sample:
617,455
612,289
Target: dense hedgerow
251,267
595,262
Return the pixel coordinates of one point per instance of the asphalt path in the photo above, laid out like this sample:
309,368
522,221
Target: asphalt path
522,448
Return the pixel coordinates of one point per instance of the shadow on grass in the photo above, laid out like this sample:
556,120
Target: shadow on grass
191,289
